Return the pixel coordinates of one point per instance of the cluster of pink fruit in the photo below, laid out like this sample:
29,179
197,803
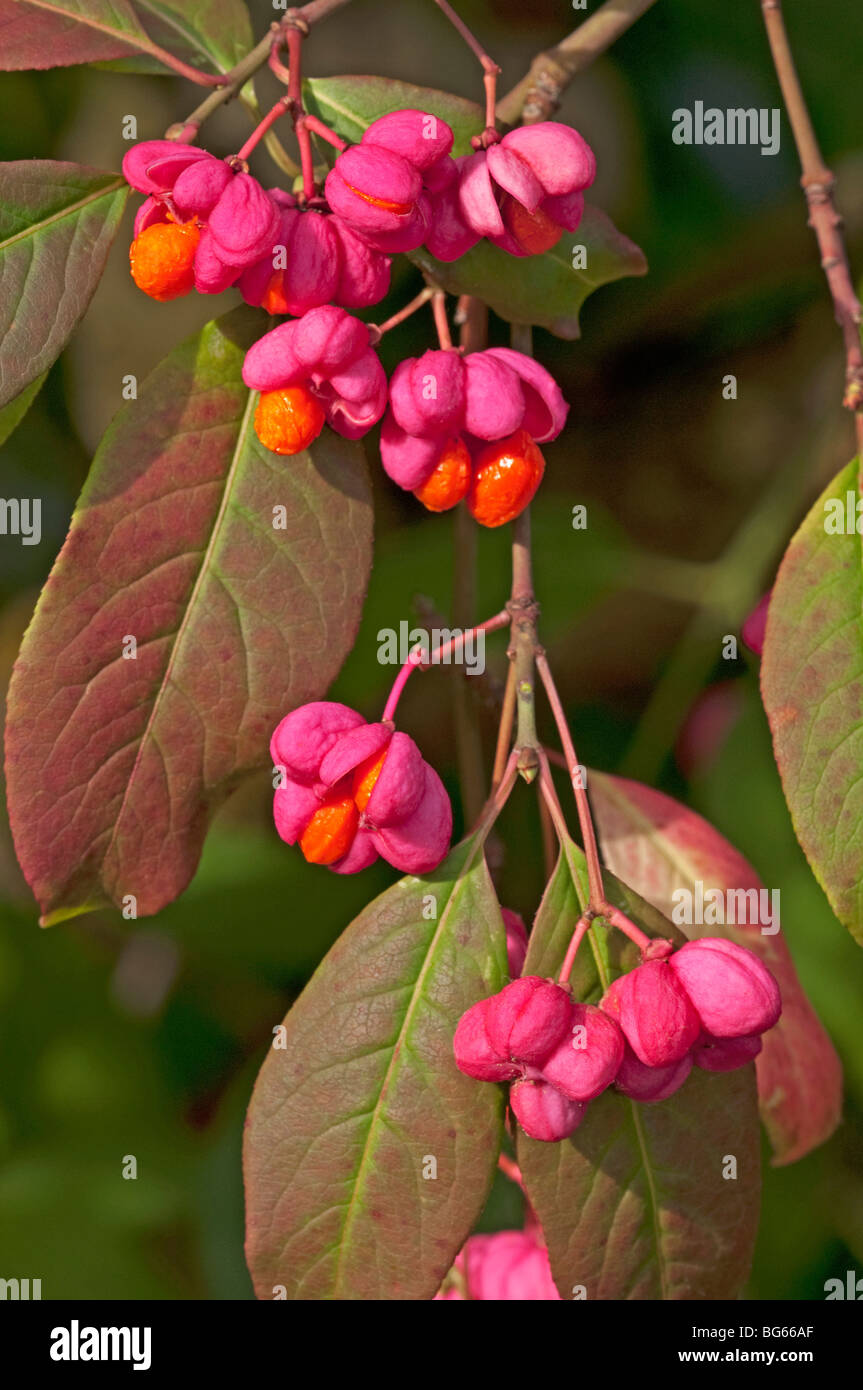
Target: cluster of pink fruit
456,428
706,1004
350,791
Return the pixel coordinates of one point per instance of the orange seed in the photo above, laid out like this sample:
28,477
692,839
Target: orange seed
162,259
449,482
331,830
287,421
535,232
507,473
365,777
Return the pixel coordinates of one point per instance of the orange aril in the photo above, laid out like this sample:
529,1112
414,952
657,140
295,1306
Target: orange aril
287,421
162,259
274,300
385,203
507,473
449,482
331,830
365,777
535,232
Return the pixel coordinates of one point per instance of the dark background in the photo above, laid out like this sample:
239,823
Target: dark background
144,1038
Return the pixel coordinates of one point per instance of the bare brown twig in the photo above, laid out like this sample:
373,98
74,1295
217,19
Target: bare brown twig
537,96
818,185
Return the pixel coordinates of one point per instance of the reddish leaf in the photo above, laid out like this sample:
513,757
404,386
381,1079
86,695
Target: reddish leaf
57,223
56,33
812,684
361,1094
115,765
638,1203
659,848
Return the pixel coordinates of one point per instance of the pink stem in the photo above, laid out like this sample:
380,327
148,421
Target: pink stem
576,939
491,71
509,1169
203,79
585,819
281,106
422,298
440,319
318,128
615,918
307,163
418,657
601,907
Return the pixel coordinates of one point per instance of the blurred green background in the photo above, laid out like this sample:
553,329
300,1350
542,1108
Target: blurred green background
143,1039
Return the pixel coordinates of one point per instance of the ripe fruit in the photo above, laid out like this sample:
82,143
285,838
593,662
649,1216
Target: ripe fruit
330,832
725,1054
507,473
589,1055
732,992
450,481
162,259
543,1112
528,1018
473,1052
287,421
534,232
644,1083
655,1013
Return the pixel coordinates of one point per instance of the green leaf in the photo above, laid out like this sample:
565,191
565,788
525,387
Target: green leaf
216,31
546,290
350,104
660,848
116,764
57,223
361,1094
12,414
812,685
635,1205
543,290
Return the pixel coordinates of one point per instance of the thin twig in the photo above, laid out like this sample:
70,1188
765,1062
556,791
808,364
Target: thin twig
233,81
440,319
537,96
504,732
585,819
490,70
818,184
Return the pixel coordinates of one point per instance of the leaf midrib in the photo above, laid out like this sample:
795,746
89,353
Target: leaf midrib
192,36
395,1059
35,228
202,575
133,39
